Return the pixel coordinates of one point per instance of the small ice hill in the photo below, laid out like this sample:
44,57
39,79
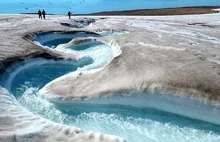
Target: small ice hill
91,6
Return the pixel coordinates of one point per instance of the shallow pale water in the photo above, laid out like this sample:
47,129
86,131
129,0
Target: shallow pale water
98,51
91,6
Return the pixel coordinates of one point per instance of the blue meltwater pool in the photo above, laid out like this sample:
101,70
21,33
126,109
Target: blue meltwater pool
134,124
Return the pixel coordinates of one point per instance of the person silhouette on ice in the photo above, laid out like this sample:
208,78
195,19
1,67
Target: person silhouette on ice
44,14
69,14
40,14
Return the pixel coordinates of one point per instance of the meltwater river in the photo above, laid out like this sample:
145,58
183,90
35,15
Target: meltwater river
24,80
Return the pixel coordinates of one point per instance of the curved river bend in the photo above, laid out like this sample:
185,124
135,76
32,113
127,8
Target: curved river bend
110,115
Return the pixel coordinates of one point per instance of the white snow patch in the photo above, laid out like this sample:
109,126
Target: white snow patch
160,47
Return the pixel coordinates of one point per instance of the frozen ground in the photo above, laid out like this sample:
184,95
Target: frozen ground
177,55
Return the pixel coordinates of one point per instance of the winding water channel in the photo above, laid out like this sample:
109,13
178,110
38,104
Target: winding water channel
135,124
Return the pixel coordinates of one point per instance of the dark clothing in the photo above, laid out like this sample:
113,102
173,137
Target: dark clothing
40,14
69,14
44,14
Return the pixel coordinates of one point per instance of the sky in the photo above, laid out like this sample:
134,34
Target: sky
91,6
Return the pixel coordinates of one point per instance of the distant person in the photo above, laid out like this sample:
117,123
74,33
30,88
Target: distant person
40,14
69,14
44,14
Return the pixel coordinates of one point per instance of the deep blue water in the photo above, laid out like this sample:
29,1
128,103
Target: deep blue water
133,124
91,6
38,72
56,42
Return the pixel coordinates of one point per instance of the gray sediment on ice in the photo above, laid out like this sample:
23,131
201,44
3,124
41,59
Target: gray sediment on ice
79,23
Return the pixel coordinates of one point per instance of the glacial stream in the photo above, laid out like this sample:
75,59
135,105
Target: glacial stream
134,124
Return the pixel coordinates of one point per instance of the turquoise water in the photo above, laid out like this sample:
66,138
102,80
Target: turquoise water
24,80
38,72
100,53
91,6
56,39
133,124
57,42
